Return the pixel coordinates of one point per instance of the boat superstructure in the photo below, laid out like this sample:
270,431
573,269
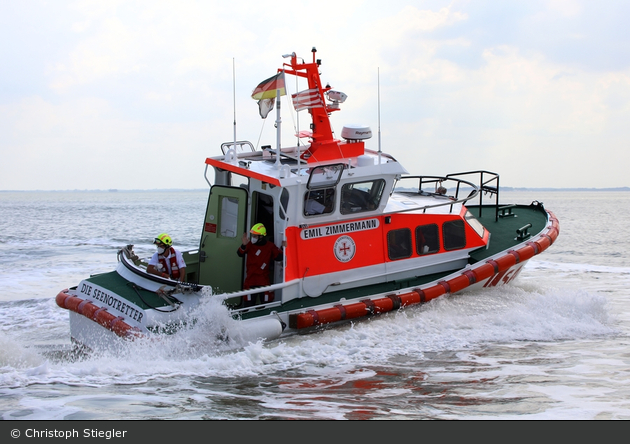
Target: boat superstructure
360,235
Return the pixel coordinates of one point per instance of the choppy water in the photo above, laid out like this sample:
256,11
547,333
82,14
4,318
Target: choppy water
553,345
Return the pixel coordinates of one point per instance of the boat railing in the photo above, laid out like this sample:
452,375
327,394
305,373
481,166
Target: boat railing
488,185
452,187
241,146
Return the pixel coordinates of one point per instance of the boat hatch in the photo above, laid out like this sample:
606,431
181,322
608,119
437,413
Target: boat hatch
325,176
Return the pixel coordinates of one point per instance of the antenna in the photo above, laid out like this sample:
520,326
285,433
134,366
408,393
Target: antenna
234,98
378,81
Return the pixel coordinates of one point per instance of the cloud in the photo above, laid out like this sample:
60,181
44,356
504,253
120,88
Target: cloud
97,94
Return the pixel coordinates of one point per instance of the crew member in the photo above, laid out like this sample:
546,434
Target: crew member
259,253
167,262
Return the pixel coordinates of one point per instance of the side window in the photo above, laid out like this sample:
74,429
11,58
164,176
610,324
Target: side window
474,223
236,180
320,201
454,234
228,220
399,243
361,196
284,203
427,239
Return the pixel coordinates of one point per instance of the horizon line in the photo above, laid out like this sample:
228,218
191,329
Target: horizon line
503,188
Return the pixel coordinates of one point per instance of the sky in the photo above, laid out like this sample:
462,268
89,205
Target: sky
137,94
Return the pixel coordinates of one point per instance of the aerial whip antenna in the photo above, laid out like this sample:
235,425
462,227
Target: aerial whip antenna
234,98
378,81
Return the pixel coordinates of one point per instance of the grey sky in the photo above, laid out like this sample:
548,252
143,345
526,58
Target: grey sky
135,95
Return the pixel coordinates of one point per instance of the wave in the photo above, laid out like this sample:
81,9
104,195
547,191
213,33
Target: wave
511,315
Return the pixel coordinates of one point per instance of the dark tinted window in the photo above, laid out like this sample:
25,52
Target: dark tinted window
427,239
454,234
399,243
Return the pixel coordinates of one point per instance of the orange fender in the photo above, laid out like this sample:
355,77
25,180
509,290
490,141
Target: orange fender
543,243
97,314
383,305
458,283
505,262
409,298
483,272
432,292
526,252
328,315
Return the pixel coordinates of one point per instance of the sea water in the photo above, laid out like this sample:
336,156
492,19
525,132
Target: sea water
554,344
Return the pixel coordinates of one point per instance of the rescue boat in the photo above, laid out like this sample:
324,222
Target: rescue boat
360,235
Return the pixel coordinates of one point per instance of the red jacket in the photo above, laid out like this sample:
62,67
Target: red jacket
259,257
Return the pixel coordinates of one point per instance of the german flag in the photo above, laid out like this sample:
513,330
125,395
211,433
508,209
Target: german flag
267,88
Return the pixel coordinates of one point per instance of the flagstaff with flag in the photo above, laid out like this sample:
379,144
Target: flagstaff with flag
267,91
321,138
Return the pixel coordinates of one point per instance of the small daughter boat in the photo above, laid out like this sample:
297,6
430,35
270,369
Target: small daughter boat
360,236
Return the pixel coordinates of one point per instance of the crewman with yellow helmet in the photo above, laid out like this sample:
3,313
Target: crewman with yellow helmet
167,262
259,253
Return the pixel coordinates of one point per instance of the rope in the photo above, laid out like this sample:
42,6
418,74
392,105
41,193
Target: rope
135,287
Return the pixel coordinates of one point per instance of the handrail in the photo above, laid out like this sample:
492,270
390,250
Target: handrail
234,294
483,187
437,180
127,256
205,176
238,146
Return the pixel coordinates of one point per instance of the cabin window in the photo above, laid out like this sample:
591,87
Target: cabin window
229,217
474,223
319,201
361,196
284,203
454,234
427,239
327,176
236,180
399,243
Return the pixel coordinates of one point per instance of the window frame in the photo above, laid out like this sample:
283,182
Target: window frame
448,236
437,239
372,196
390,243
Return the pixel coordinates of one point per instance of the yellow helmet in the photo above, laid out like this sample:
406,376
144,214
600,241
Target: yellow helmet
164,238
258,229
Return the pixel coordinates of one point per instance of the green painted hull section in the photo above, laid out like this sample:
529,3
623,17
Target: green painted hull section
112,281
503,231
